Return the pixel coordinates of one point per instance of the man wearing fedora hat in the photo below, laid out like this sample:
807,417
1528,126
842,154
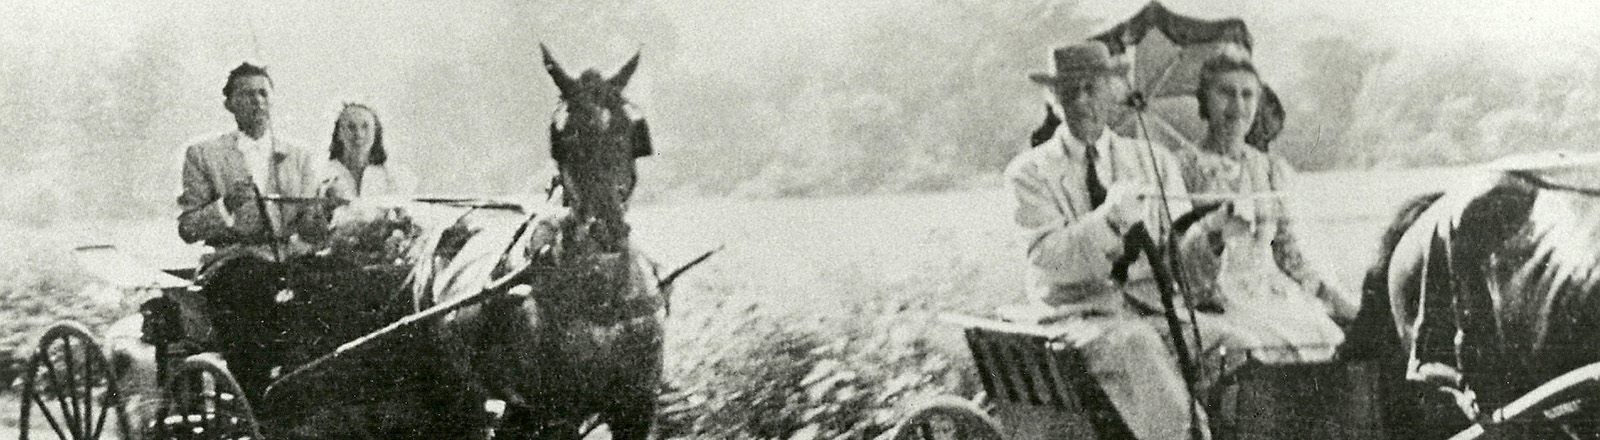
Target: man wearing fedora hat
1077,193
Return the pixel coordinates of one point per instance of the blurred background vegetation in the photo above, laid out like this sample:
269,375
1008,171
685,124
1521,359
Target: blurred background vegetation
818,320
752,100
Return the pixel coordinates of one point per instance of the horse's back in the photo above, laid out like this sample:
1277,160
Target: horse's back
1498,276
1429,238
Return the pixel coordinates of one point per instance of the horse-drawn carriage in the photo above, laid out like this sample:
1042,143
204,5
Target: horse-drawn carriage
1502,270
174,377
421,318
262,349
1036,387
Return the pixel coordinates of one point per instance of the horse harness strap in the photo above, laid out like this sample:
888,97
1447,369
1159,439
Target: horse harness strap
1543,183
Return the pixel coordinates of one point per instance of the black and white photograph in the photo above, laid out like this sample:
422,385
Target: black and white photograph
800,219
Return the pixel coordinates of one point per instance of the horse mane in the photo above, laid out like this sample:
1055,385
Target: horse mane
1403,220
1373,333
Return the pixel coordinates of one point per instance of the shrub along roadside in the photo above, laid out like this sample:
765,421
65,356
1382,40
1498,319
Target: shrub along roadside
750,374
41,284
746,360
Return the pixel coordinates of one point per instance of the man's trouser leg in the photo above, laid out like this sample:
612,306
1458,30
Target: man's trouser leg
1133,362
240,297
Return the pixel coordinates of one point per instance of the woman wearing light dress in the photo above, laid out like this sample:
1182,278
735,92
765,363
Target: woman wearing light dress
1243,257
358,164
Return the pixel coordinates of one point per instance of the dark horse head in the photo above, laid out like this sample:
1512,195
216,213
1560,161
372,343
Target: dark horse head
594,142
586,343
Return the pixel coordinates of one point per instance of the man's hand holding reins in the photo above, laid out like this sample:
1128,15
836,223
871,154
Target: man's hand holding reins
1128,204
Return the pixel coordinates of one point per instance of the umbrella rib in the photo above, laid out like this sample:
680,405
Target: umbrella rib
1170,129
1166,72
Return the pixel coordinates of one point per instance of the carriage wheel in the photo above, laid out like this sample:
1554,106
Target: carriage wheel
946,418
204,401
68,383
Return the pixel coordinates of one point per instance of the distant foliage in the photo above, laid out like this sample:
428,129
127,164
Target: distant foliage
1475,104
921,101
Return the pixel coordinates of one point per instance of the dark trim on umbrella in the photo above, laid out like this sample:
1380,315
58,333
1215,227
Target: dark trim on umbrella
1178,28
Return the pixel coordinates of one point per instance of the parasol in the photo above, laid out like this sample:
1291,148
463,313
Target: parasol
1167,50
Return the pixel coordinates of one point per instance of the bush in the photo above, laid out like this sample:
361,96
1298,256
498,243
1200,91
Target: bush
832,357
41,284
745,373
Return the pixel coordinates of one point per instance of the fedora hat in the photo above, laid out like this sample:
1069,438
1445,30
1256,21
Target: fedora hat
1080,61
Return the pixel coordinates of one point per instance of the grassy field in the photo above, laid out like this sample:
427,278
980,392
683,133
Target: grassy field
819,317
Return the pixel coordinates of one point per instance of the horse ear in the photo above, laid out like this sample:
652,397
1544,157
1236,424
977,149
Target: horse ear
563,81
620,80
641,140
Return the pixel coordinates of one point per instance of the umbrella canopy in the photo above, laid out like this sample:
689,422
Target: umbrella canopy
1167,50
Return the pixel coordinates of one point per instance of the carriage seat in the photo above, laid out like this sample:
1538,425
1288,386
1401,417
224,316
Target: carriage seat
1033,375
1033,379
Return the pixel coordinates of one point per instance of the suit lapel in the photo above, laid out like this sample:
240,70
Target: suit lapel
232,163
1122,164
1073,177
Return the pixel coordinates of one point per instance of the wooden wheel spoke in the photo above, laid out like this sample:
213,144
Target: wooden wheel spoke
100,422
67,382
54,387
70,393
45,410
82,400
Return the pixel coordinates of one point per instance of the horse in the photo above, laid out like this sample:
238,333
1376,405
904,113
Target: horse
1494,279
582,345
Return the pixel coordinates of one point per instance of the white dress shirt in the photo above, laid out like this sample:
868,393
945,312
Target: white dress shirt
258,159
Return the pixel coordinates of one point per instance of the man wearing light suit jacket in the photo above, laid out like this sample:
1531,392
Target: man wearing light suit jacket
235,191
223,175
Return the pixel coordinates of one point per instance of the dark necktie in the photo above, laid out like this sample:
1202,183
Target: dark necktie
1097,191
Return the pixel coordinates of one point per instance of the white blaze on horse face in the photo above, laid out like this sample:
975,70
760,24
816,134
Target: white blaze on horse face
559,119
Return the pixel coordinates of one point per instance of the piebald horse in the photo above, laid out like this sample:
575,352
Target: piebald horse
1497,280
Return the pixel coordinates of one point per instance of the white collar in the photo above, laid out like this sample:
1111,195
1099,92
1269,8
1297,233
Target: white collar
245,143
1075,149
